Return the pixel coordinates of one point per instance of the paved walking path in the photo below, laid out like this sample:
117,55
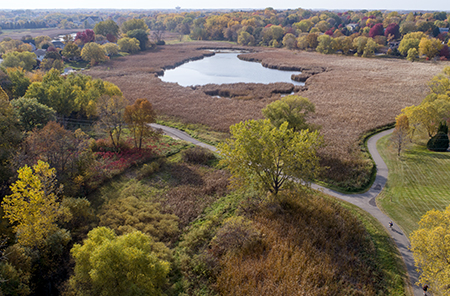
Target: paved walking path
365,201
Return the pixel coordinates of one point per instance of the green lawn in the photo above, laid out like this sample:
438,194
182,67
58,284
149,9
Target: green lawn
418,181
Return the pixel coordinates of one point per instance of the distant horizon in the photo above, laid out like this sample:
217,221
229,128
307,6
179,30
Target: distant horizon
345,5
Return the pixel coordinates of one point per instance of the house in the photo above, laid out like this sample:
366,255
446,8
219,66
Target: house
91,20
30,42
40,54
57,44
352,27
443,30
394,45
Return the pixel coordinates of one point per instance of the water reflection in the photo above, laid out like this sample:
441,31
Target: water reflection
225,68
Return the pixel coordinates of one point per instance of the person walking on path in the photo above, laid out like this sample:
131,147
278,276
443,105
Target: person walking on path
391,224
425,289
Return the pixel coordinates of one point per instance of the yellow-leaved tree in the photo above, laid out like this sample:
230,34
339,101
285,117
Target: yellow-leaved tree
33,206
269,158
431,249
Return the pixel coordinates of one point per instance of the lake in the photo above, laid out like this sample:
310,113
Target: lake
225,68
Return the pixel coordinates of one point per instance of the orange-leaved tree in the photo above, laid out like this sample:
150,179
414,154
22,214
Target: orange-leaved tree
139,116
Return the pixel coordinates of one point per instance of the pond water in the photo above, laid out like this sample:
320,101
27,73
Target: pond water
225,68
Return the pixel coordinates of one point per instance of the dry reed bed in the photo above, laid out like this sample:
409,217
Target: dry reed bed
352,96
18,34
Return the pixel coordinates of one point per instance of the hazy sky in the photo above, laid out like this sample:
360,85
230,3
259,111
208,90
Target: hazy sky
200,4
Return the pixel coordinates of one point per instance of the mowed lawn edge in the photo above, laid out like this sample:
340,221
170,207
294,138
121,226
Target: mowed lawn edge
388,256
418,181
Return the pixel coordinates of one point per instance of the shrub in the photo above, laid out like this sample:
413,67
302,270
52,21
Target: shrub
236,234
149,169
198,155
440,141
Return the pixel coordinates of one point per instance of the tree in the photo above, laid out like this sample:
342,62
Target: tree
94,53
130,45
376,30
59,147
3,95
430,245
10,136
370,48
268,158
139,116
430,47
25,60
31,113
33,206
134,24
401,133
392,29
111,49
130,264
410,40
326,45
19,82
412,54
85,36
304,25
71,51
140,35
107,27
110,111
289,41
359,43
291,109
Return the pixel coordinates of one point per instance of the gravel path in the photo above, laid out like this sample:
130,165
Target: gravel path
365,201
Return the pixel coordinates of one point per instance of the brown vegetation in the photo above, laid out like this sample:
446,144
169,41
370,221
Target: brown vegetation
354,95
325,257
18,34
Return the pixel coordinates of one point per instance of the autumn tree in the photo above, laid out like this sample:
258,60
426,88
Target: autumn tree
139,116
19,82
71,51
141,35
430,47
292,109
268,158
289,41
10,135
33,206
246,38
111,49
110,111
25,60
133,24
93,53
85,36
130,45
107,264
401,134
430,245
392,30
105,28
327,45
376,30
410,40
31,113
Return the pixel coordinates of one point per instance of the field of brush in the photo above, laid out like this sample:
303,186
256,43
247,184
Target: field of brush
352,96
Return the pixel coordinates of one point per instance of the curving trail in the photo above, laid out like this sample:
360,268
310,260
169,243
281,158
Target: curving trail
365,201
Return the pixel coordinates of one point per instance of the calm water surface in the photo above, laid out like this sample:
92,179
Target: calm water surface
225,68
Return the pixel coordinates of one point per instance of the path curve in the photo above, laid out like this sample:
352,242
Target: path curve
365,201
